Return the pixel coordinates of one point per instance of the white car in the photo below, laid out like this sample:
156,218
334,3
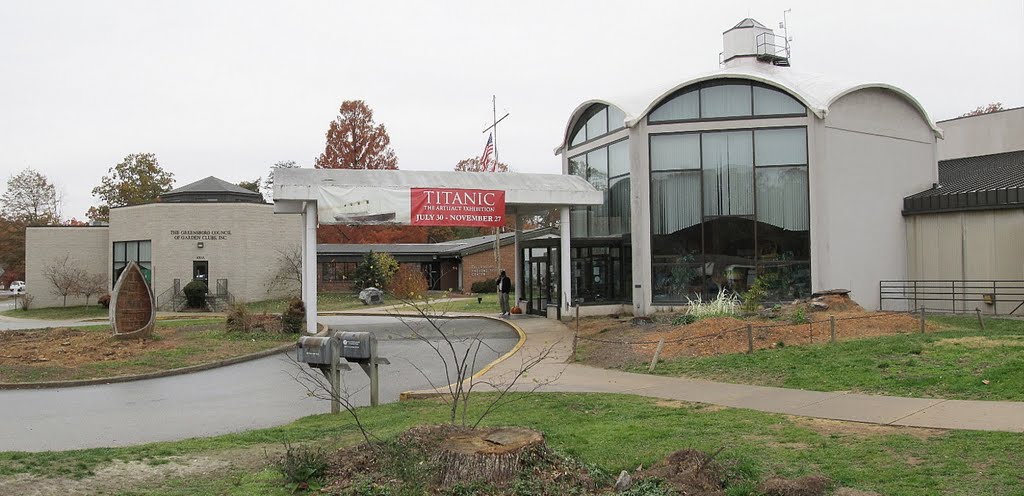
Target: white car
17,287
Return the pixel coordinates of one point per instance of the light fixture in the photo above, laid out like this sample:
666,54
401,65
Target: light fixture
199,244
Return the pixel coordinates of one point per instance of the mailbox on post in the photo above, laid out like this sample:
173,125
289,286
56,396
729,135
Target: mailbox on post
357,346
317,351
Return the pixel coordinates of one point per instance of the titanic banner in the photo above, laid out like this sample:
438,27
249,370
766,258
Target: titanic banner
457,207
364,205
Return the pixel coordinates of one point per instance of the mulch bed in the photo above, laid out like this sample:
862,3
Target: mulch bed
617,342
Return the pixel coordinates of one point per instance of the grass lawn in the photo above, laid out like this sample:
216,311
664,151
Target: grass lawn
325,302
59,313
951,363
62,354
468,303
612,432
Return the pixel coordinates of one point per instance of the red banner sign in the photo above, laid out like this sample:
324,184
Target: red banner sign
457,207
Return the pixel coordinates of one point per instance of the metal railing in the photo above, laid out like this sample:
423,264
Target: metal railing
954,295
772,46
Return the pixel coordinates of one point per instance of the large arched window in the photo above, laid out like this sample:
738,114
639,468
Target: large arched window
728,207
596,121
725,99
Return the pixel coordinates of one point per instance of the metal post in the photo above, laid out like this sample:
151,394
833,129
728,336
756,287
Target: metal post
952,287
995,301
750,338
576,333
922,320
657,353
832,328
335,378
981,322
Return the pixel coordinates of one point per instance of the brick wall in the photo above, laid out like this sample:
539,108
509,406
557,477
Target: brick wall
482,266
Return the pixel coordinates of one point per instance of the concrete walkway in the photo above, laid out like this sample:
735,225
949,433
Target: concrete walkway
887,410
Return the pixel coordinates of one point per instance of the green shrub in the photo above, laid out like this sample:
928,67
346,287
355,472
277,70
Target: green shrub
301,465
799,316
195,294
293,317
755,296
375,271
487,286
684,319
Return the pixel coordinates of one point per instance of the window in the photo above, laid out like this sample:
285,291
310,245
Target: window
607,169
681,107
596,121
725,99
140,252
728,207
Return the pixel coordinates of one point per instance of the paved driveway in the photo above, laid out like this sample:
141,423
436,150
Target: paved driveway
260,393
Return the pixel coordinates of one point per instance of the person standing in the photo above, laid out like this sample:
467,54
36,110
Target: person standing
504,287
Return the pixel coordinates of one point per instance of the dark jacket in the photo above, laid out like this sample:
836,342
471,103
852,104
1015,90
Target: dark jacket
505,284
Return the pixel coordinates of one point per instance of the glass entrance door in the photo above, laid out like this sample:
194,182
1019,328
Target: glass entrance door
540,274
201,271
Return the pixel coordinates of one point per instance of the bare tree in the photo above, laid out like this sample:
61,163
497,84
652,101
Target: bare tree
459,356
92,284
65,277
288,271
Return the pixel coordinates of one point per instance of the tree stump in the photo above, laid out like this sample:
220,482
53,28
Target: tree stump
492,455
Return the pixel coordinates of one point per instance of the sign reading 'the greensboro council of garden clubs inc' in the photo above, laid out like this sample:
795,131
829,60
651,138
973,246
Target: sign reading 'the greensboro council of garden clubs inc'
457,207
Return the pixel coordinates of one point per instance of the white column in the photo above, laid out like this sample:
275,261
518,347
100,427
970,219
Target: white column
309,266
517,259
564,264
302,250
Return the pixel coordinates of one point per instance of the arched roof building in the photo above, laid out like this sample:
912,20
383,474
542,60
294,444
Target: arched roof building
756,170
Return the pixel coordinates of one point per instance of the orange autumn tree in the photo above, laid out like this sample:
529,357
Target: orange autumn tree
355,141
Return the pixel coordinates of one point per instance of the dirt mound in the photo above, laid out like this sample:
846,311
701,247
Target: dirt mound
809,485
690,471
839,303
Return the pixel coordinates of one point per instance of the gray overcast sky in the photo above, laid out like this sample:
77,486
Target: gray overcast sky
229,88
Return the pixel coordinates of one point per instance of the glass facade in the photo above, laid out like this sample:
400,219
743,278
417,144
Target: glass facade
601,264
140,252
728,207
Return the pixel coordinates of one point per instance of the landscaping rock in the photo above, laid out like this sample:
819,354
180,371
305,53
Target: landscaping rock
834,292
819,305
624,482
371,296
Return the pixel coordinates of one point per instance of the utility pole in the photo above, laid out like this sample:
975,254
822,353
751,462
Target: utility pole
494,125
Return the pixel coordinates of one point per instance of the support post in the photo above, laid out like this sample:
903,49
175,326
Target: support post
335,378
922,320
832,328
565,262
657,353
750,338
518,259
303,262
309,265
981,322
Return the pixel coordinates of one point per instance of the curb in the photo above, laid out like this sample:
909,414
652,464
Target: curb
149,375
434,393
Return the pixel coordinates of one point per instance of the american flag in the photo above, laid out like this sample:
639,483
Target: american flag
488,150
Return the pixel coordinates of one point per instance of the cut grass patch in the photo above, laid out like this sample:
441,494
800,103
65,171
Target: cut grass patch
952,363
614,432
325,302
59,313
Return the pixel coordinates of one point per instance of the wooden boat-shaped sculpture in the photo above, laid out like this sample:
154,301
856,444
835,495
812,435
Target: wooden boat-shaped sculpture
132,311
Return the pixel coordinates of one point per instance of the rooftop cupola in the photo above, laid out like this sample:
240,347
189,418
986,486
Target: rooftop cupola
752,42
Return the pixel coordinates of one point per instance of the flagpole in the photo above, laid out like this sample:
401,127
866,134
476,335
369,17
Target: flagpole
494,125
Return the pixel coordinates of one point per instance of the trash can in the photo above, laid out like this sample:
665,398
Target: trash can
552,311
